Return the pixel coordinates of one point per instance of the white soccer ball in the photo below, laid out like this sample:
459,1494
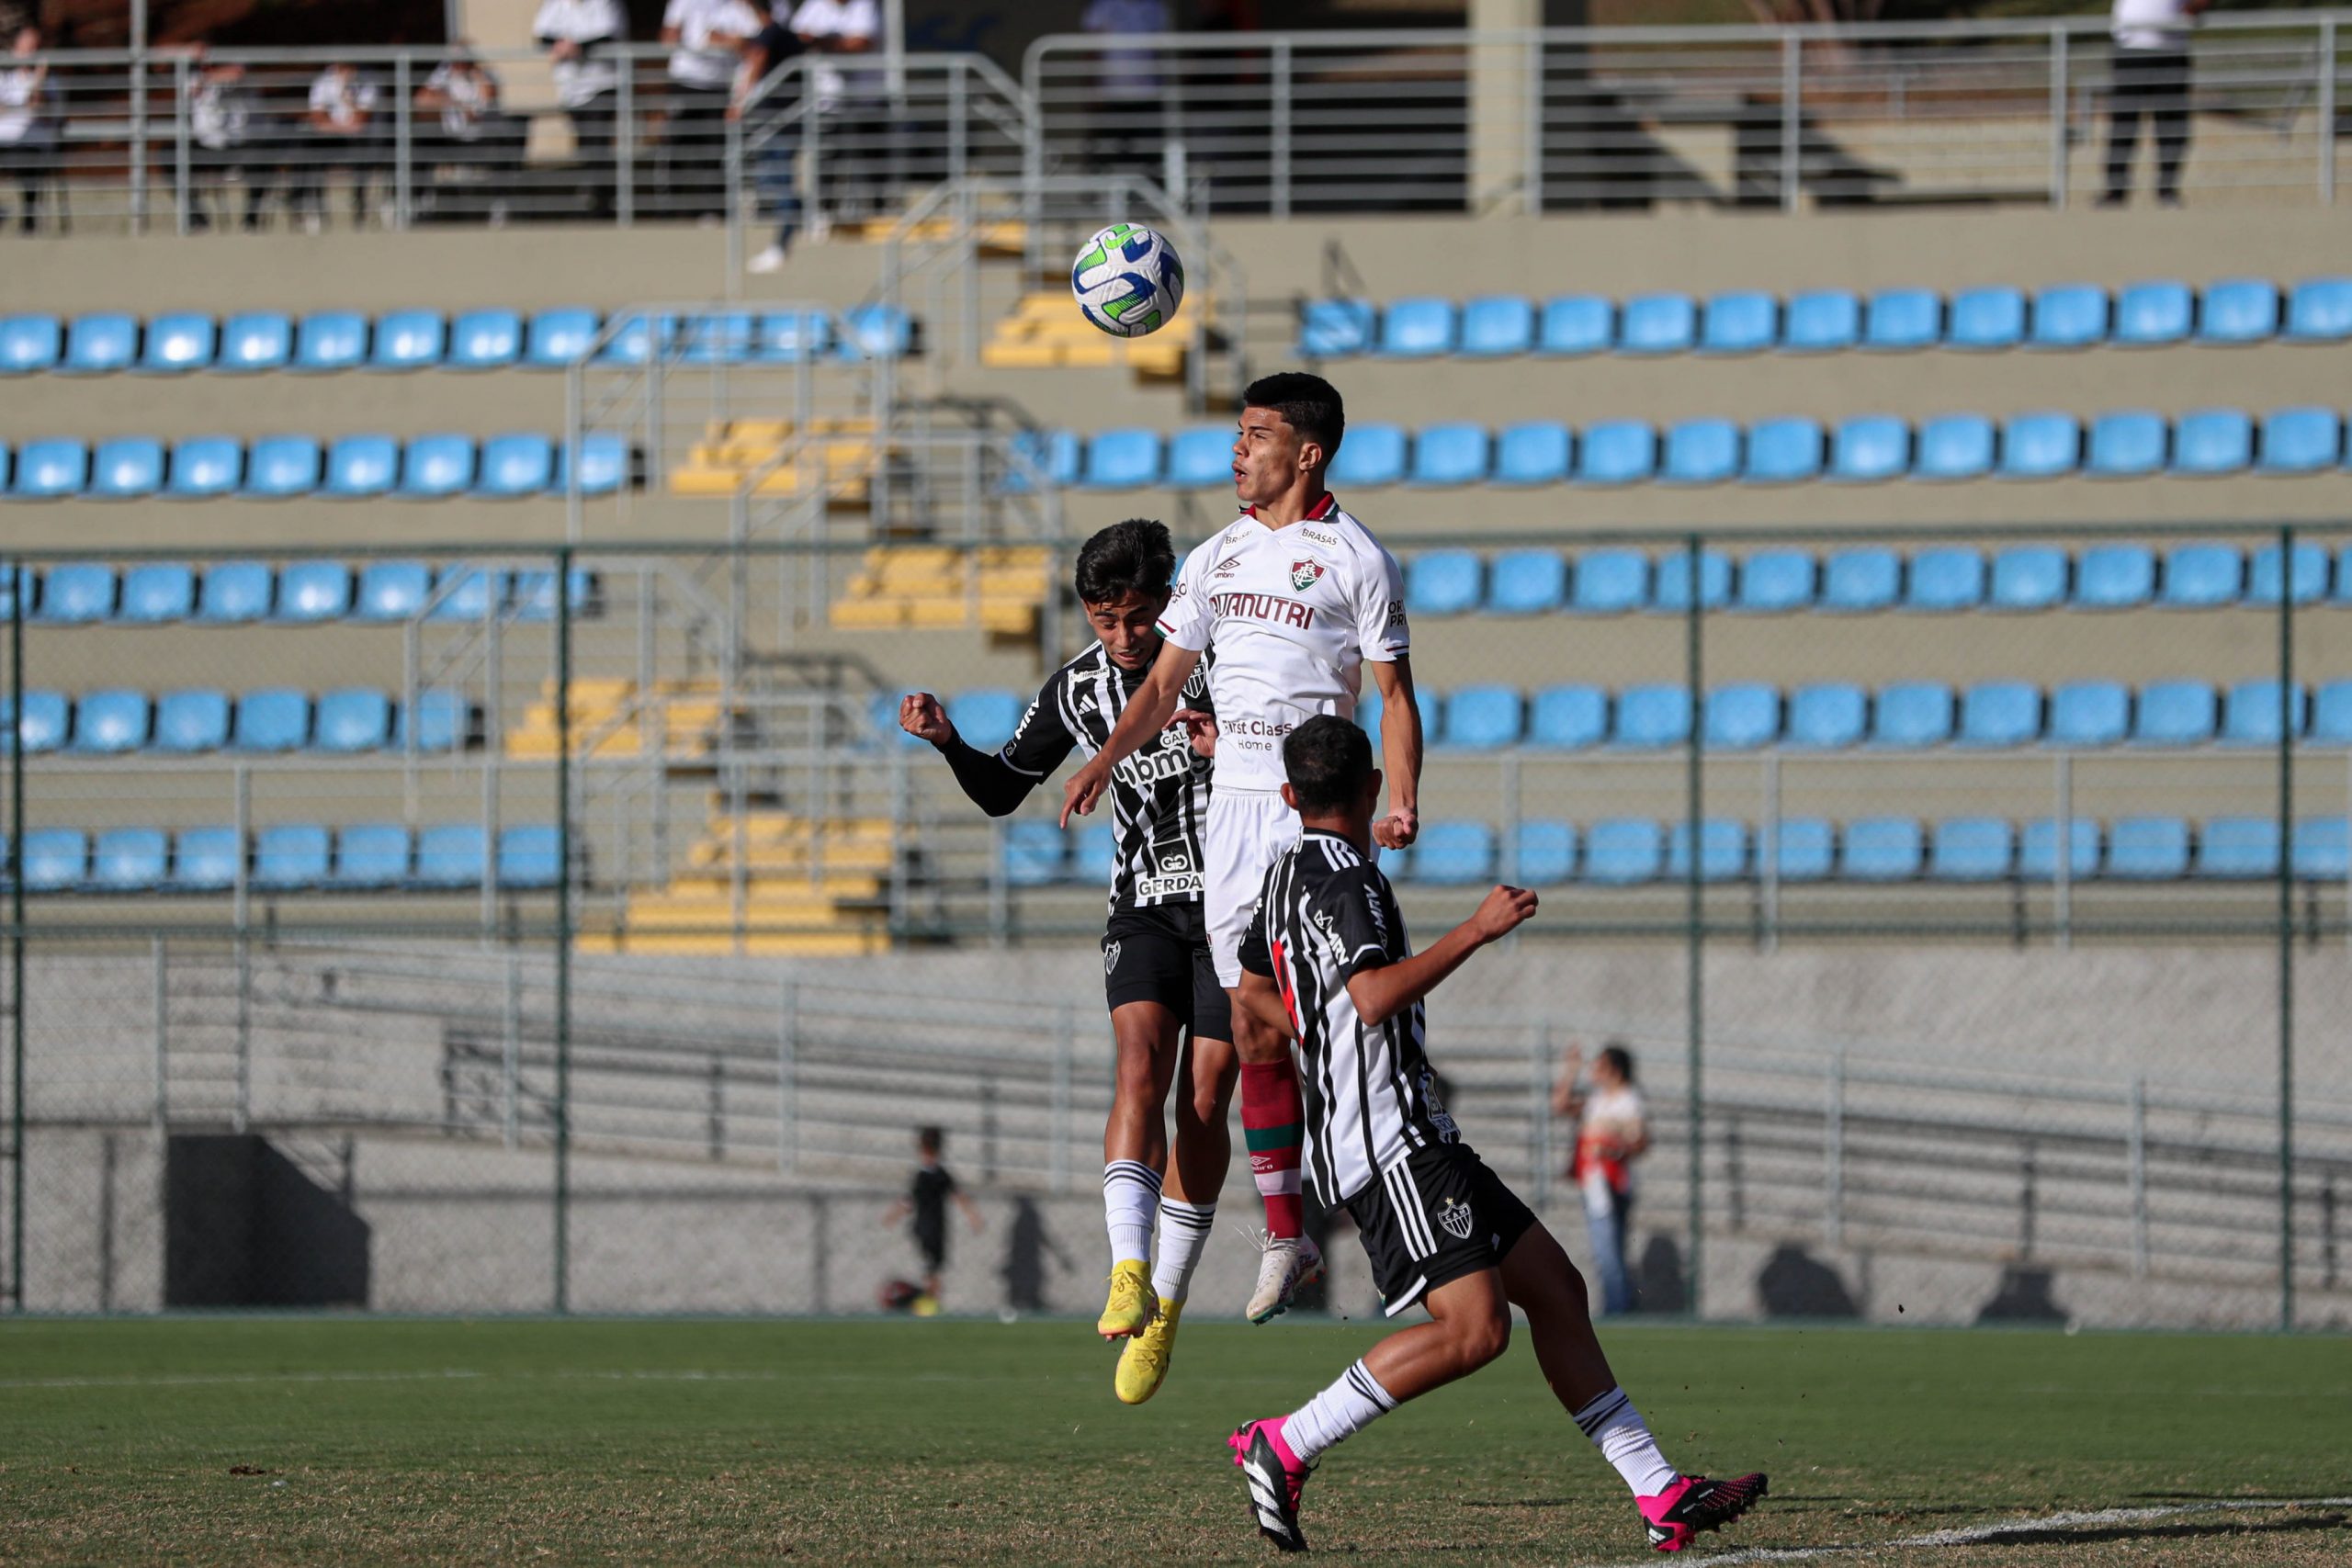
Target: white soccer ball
1128,280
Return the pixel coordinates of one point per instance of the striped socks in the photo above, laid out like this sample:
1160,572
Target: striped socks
1624,1438
1274,1123
1338,1413
1130,1194
1184,1233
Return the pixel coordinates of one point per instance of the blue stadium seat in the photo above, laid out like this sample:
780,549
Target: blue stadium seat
2310,575
1912,713
1986,319
100,344
255,341
984,717
1954,447
1798,849
1740,321
2174,713
205,860
1334,329
439,720
2319,310
1774,581
2088,713
331,340
2069,315
1947,577
1454,855
2213,441
1783,451
1610,583
448,854
2040,446
371,854
2199,577
1827,717
517,464
110,723
2149,314
1671,592
787,337
127,467
1497,324
1971,849
1882,848
2250,713
1821,322
533,594
1033,853
2300,440
1616,452
2040,851
156,593
560,335
717,337
1056,456
531,856
1417,329
1483,719
1576,323
313,591
1121,459
178,343
1623,852
1858,580
1372,454
469,593
353,719
1443,583
2321,850
282,466
1741,717
2241,309
2148,849
1903,319
1094,855
1723,850
42,727
2115,576
1568,718
484,340
438,465
57,860
234,591
604,463
29,344
276,719
1652,716
1527,582
2332,715
1657,323
1449,455
629,337
1200,457
49,469
2027,577
362,466
1999,714
290,856
191,721
1869,447
206,466
75,594
1544,852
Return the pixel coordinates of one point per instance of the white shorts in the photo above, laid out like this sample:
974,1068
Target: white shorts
1247,829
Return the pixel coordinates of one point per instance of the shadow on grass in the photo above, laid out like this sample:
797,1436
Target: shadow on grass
2090,1535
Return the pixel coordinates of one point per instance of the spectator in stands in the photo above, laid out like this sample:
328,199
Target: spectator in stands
343,132
28,125
2152,82
231,136
926,1200
1612,1134
462,124
776,148
1129,127
846,100
708,40
576,33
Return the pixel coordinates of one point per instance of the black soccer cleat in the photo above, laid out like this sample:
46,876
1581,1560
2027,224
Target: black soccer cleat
1276,1476
1676,1515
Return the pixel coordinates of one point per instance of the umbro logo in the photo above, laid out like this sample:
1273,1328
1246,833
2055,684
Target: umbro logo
1227,567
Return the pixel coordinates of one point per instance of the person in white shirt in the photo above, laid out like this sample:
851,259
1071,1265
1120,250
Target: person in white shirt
708,38
587,84
459,122
343,133
1612,1132
230,133
28,125
2152,81
854,120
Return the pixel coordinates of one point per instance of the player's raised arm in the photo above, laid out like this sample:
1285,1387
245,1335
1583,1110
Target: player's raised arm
1400,753
1385,990
996,782
1146,714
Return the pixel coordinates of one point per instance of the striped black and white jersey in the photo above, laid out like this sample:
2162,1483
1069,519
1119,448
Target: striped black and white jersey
1159,796
1327,914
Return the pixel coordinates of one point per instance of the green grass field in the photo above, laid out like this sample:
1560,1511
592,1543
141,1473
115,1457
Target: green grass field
948,1441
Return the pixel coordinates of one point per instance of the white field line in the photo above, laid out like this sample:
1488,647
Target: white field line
1985,1535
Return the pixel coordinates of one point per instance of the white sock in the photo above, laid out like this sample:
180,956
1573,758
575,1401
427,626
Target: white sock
1183,1235
1624,1438
1338,1413
1130,1193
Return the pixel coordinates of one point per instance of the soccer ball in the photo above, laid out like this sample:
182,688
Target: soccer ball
1128,280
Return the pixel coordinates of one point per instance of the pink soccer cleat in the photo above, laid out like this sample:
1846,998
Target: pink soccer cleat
1276,1477
1676,1515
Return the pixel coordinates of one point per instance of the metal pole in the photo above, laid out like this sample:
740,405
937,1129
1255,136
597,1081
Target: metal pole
244,951
2286,932
2058,148
624,150
787,1080
2327,111
1694,935
1065,1037
183,193
511,1112
1791,131
1833,1155
1540,1085
1278,139
563,933
18,586
403,143
1531,177
732,154
138,116
2138,1148
2066,867
162,1037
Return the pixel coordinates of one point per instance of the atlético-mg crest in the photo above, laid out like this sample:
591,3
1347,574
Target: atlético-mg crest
1455,1217
1305,574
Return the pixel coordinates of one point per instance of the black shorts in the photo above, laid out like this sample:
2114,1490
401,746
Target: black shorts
1162,954
933,1245
1432,1217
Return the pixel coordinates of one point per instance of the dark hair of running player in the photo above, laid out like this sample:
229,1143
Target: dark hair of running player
928,1140
1327,761
1309,404
1134,558
1620,1061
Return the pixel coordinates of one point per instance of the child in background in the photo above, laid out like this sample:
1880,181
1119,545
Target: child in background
926,1199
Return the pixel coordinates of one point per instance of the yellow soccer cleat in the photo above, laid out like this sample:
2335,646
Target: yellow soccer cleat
1133,1303
1143,1364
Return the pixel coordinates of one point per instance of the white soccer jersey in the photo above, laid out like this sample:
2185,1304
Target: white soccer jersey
1294,614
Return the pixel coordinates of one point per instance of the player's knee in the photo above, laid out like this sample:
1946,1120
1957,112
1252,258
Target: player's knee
1208,1105
1480,1338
